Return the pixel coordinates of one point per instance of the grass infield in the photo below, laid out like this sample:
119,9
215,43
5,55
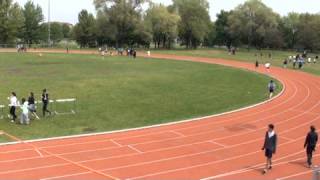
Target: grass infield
118,92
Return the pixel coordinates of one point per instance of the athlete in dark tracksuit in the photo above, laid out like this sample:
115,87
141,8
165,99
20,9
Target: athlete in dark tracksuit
310,144
45,102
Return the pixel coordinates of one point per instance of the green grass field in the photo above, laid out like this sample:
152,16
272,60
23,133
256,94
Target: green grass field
117,93
247,56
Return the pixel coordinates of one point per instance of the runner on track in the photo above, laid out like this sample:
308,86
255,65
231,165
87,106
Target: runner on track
271,87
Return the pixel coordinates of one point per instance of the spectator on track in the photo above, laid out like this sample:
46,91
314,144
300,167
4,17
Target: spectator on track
310,144
268,66
271,87
32,105
24,119
13,104
45,102
269,146
257,64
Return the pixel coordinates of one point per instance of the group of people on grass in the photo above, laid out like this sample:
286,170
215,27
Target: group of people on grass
129,52
270,146
297,61
27,106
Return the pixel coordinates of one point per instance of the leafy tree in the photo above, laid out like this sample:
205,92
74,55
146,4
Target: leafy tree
122,20
254,24
56,32
32,18
308,34
289,27
195,21
162,24
66,30
85,30
11,21
223,36
210,39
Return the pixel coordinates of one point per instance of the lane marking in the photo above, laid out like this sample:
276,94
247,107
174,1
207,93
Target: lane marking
135,149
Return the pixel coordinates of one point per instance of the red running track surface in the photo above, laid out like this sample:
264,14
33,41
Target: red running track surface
218,147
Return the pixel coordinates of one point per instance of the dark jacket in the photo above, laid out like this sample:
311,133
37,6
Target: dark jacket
311,139
45,97
270,143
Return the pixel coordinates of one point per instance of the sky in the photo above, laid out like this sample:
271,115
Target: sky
67,10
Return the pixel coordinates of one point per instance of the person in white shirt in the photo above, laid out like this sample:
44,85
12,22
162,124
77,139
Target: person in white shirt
13,104
24,119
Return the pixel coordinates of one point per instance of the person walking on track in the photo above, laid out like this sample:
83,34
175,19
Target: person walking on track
310,144
45,102
271,87
269,146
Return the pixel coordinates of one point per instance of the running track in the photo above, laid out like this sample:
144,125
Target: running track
218,147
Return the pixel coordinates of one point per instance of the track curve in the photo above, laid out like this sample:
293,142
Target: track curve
221,147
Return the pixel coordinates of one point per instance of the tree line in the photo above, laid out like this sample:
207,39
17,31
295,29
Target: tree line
26,25
125,23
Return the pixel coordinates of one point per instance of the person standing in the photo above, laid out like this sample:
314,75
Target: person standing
310,144
271,87
269,146
32,105
134,54
24,119
13,104
285,63
45,102
257,64
301,61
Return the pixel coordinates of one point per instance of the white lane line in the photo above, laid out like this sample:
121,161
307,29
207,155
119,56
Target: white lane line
135,149
65,176
286,138
219,144
115,142
177,133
